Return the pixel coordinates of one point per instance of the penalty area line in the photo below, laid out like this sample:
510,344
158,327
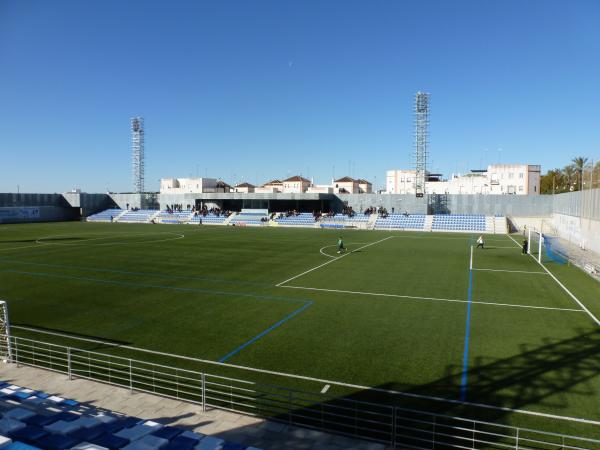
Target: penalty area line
583,307
413,297
510,271
330,261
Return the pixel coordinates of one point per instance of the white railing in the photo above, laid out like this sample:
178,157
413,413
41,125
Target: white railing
392,425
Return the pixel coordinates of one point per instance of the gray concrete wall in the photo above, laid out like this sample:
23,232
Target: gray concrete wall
43,214
504,205
14,199
132,200
89,204
397,202
584,204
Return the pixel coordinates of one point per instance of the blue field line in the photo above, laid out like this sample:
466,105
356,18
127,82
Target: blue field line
158,286
127,272
265,332
465,362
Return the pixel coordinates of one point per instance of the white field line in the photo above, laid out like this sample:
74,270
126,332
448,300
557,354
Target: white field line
471,260
455,300
333,245
334,383
325,388
18,248
332,260
176,236
511,271
594,318
513,239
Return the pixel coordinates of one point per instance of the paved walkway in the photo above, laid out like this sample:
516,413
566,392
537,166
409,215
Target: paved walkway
233,427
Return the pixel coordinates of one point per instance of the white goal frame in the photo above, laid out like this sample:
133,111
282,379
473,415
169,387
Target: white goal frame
540,241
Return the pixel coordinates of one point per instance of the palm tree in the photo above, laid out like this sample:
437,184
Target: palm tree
569,172
579,163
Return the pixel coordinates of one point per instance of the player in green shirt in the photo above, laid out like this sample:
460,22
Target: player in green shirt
341,247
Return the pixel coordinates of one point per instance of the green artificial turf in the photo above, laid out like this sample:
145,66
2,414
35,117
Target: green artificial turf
391,315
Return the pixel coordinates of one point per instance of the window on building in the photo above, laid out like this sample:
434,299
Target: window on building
520,188
511,175
521,175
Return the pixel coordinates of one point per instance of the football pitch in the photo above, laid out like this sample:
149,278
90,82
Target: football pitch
425,314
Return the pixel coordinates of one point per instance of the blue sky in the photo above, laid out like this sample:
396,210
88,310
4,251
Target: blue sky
254,90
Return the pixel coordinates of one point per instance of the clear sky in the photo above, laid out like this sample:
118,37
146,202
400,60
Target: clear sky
253,90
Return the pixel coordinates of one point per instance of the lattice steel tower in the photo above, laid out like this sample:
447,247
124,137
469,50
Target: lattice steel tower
5,341
421,141
137,153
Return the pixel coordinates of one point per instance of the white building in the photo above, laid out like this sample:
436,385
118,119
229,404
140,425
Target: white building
517,179
520,179
244,187
271,187
187,185
296,185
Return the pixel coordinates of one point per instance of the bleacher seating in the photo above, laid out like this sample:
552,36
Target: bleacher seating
458,222
36,420
249,218
343,220
174,216
210,218
138,216
401,221
302,219
105,215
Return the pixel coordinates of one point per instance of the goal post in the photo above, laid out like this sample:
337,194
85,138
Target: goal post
535,240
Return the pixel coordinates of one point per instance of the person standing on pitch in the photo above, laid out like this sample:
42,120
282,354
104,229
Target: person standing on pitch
525,245
480,241
341,247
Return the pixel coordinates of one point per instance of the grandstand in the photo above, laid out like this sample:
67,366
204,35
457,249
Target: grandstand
33,419
174,216
107,215
459,222
401,222
416,222
300,219
250,217
138,216
208,219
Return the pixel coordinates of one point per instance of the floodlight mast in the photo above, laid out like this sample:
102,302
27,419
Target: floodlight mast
421,141
5,342
137,153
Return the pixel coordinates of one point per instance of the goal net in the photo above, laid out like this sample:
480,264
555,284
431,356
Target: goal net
545,248
535,240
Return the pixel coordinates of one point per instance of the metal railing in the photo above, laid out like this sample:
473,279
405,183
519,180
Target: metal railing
387,424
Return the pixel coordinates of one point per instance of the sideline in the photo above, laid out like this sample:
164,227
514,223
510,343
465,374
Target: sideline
323,381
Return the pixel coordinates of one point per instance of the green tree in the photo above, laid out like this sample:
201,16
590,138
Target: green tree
554,182
579,163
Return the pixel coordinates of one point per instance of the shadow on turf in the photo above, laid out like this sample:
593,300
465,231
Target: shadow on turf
108,343
544,377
